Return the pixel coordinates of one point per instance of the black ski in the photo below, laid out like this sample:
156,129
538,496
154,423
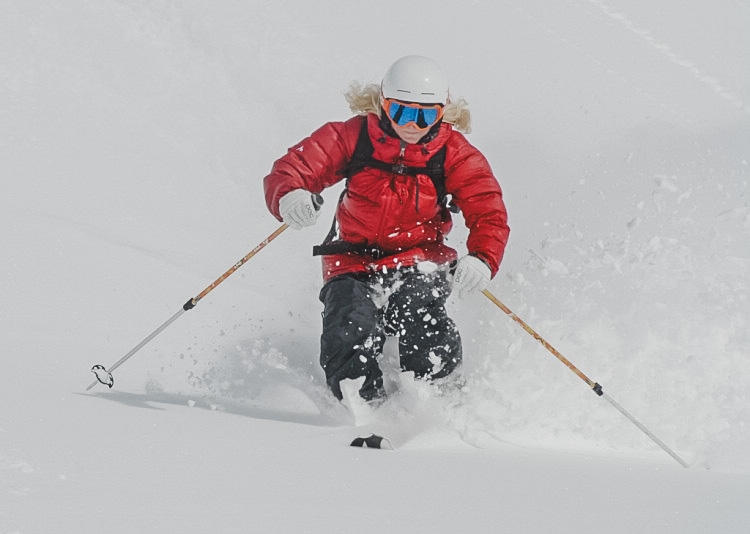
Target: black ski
373,441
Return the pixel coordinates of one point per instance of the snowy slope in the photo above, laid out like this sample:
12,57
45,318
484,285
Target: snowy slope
133,139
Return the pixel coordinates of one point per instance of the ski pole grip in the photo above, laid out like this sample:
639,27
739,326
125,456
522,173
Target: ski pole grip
317,200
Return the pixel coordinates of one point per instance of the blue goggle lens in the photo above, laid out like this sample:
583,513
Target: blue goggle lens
403,114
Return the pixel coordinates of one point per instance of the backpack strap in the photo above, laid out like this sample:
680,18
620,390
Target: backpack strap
324,249
435,169
362,155
362,158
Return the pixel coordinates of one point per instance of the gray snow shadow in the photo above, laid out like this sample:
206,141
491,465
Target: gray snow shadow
254,379
330,416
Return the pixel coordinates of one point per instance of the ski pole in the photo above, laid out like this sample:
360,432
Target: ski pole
596,387
104,375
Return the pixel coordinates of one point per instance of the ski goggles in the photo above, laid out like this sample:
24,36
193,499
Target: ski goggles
423,116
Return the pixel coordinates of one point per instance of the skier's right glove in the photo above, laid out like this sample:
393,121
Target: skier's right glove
297,209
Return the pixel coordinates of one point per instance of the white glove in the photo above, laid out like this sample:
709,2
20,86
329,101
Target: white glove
297,209
471,274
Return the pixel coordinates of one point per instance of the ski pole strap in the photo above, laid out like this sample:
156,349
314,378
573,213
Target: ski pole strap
320,250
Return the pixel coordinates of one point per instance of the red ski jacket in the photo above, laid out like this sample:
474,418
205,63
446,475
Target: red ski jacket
397,214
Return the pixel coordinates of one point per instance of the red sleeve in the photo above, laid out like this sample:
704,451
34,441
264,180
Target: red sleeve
476,191
312,164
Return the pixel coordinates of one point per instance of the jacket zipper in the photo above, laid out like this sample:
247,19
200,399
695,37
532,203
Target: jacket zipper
401,158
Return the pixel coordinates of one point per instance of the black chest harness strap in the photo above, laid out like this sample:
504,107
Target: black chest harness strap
363,158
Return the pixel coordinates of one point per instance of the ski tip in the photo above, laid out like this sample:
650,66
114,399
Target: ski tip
373,441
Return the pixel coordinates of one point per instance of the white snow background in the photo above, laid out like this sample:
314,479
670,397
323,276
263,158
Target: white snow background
134,135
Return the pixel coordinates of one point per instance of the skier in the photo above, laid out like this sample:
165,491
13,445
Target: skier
388,271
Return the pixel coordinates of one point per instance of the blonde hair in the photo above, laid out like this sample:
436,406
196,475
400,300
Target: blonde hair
364,99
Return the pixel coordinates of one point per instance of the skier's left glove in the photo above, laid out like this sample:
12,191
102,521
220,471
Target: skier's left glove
471,274
297,209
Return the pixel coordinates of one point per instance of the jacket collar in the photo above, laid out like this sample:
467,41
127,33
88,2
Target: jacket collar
387,144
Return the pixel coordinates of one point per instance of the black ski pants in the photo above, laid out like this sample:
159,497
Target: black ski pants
361,310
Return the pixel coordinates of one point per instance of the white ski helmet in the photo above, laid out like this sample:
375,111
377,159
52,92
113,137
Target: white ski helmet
415,79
